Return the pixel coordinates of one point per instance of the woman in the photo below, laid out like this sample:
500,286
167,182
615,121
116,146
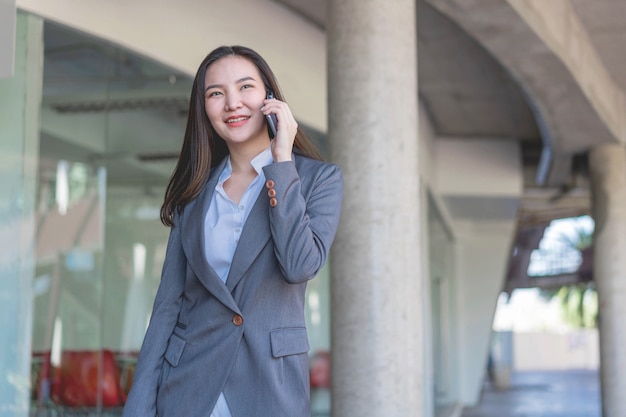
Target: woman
252,220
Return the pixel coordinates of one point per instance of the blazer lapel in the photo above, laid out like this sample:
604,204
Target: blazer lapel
254,236
194,242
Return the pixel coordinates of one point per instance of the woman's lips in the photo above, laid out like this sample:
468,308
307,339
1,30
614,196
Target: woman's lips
237,120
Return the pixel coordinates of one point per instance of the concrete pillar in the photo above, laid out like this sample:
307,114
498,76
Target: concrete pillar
608,176
482,251
376,285
20,101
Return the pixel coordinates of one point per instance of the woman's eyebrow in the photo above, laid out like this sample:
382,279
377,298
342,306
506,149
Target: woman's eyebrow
236,82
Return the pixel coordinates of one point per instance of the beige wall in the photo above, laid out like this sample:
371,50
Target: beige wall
556,351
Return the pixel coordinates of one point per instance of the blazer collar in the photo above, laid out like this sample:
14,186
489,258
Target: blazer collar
254,236
193,241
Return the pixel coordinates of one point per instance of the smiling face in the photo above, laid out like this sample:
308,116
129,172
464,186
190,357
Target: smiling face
233,97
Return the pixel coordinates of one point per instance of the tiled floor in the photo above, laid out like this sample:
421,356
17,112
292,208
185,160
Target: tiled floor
543,394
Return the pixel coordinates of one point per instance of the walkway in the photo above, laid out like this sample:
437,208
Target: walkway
543,394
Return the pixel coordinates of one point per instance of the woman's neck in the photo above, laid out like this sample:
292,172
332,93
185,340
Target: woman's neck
241,156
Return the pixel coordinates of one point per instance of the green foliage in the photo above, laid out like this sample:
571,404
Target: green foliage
579,305
579,238
578,302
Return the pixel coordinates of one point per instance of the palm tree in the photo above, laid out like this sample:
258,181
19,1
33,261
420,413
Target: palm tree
579,302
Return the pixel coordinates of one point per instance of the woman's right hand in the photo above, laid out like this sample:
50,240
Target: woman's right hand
286,129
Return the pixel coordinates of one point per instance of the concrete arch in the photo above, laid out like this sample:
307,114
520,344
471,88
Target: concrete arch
555,63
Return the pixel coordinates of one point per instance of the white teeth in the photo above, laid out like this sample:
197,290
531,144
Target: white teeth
238,119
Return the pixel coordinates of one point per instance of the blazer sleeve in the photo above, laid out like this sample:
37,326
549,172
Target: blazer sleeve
303,229
141,400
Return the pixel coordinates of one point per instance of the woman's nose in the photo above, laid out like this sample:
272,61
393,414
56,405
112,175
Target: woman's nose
232,102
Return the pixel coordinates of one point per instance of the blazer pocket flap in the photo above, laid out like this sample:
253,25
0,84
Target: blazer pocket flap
290,341
174,350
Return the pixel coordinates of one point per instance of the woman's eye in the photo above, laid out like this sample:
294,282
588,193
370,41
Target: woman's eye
246,86
213,94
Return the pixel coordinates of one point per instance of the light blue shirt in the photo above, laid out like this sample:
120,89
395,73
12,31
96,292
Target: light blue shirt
223,224
224,220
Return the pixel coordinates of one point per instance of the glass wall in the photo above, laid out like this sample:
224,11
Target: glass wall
111,127
20,97
441,263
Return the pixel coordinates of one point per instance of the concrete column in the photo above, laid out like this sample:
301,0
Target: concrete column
20,101
376,285
608,176
482,251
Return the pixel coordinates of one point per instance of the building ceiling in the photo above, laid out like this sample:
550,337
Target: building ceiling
605,23
465,90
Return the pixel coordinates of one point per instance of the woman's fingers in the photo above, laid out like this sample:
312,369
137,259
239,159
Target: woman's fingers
282,145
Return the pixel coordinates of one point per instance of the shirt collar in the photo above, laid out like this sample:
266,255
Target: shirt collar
262,160
258,162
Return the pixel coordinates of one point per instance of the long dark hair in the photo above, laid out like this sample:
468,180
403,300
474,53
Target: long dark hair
202,147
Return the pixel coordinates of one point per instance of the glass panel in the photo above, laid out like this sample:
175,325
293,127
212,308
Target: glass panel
317,312
112,124
441,264
19,144
68,278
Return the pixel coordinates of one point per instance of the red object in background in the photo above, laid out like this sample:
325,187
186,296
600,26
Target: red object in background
320,370
76,381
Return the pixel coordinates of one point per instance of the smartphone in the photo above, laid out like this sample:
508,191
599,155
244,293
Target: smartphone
271,119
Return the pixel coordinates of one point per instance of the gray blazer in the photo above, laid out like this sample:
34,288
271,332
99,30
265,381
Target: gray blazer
246,338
